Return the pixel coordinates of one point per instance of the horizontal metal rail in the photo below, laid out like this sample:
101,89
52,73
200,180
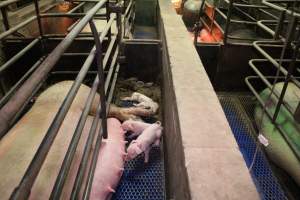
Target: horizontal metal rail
76,7
20,82
17,27
267,83
16,57
70,15
273,61
272,4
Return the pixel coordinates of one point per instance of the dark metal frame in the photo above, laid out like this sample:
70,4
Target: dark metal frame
16,99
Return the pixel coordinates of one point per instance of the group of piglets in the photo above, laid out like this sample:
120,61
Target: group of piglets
112,150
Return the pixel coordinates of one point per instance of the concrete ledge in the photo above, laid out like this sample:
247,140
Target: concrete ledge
214,166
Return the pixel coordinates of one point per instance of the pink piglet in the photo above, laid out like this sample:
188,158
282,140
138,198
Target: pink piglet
149,137
136,127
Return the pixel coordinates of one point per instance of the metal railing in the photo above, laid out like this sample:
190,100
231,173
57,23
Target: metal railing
283,67
16,99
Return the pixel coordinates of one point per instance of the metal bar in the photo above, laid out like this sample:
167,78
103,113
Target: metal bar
71,72
60,180
8,2
8,111
108,18
5,18
37,11
266,82
91,171
20,82
228,21
65,167
76,7
16,57
276,7
272,60
71,15
17,27
84,160
101,77
246,5
288,77
23,190
279,25
262,103
265,28
267,13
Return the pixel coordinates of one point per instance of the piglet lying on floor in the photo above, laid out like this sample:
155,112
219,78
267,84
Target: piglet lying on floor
150,136
144,102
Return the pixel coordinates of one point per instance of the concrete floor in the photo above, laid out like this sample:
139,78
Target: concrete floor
214,165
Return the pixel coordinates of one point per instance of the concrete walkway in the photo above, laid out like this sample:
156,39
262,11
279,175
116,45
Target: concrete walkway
214,164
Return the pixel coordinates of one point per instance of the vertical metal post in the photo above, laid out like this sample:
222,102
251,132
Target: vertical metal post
230,8
5,18
279,25
37,10
101,88
290,69
107,19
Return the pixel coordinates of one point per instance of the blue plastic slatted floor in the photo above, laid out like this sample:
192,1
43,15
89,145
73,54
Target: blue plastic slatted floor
142,181
266,183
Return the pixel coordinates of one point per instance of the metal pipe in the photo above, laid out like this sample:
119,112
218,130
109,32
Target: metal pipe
60,180
9,110
17,27
76,7
84,160
228,21
16,57
101,77
16,102
271,59
5,18
8,2
70,15
262,103
276,7
279,25
91,171
37,11
20,82
267,83
288,77
65,167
